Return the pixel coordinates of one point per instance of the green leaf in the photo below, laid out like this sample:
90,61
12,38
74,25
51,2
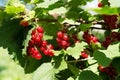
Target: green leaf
85,27
34,1
85,75
116,64
45,72
15,9
60,63
72,15
101,58
12,37
118,78
93,66
70,78
114,3
107,10
74,69
104,57
9,69
75,50
27,35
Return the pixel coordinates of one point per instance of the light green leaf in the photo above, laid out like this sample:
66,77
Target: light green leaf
9,70
34,1
107,10
88,75
60,63
70,78
93,66
45,72
15,9
114,3
104,57
75,50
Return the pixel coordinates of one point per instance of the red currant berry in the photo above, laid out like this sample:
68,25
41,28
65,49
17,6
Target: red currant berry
37,38
31,42
65,37
50,46
58,40
64,43
42,48
38,56
50,53
44,43
40,29
100,4
46,52
60,34
84,54
33,32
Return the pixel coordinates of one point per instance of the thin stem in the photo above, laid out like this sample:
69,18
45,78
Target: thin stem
45,20
81,60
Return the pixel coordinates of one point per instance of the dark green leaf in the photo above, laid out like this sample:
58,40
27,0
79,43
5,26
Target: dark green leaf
74,69
88,75
85,27
116,64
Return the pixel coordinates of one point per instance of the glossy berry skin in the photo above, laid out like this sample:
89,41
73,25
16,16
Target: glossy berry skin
100,4
60,34
84,54
62,39
38,56
90,38
24,23
40,29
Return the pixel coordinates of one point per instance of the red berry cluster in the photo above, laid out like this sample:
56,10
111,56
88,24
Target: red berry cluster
37,44
110,21
63,39
76,40
114,36
84,54
90,38
110,71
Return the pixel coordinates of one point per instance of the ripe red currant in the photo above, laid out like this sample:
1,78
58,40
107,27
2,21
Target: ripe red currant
40,29
38,56
100,4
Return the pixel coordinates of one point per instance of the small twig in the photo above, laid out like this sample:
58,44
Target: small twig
67,25
45,20
81,60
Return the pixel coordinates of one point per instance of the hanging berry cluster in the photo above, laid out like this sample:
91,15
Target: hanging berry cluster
110,71
63,39
37,45
90,38
110,21
114,36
